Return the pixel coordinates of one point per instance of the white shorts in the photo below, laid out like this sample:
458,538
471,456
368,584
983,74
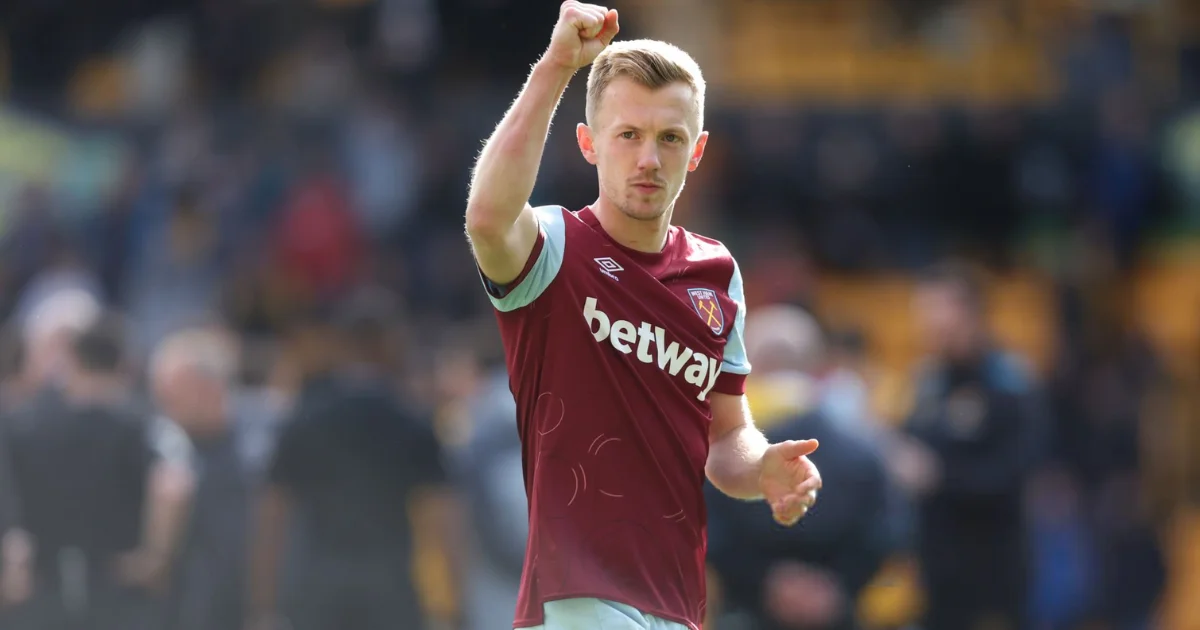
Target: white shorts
589,613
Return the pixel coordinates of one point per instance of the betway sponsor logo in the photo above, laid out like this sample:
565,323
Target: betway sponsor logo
649,344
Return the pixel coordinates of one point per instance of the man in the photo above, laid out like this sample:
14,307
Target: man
349,466
809,578
491,476
978,431
100,510
191,374
623,337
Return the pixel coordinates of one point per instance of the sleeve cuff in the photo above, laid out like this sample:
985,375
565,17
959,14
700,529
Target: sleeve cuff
500,291
730,384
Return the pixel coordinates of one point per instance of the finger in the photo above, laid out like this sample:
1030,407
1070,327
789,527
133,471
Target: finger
790,505
793,449
611,27
790,516
589,20
812,484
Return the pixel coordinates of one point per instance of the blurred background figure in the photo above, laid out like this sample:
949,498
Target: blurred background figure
352,462
490,470
191,374
225,175
979,430
101,518
806,578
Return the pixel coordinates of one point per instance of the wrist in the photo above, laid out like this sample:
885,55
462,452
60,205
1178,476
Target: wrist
547,67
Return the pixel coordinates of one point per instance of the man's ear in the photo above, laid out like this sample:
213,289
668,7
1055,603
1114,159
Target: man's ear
587,146
698,152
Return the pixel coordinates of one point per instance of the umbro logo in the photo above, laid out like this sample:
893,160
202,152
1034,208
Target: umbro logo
609,267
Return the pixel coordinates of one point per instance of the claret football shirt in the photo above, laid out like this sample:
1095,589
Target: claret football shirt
612,355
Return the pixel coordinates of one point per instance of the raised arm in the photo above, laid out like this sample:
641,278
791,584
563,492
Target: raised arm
500,222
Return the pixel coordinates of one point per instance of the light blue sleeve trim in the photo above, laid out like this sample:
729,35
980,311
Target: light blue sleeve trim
545,268
735,361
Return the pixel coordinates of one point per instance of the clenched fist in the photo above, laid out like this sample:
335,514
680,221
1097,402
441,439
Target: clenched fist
583,30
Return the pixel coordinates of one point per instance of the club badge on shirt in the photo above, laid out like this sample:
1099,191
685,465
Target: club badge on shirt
708,308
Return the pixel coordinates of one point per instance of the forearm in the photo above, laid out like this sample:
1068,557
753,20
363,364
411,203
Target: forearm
735,462
507,168
171,489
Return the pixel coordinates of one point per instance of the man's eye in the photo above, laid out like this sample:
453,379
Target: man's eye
672,138
628,135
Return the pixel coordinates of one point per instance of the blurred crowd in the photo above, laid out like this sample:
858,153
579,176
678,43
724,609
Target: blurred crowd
250,380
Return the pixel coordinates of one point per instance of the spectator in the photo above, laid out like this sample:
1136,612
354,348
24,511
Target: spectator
493,481
977,432
101,516
348,465
192,372
806,578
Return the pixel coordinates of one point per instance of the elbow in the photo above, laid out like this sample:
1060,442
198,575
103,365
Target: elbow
477,223
482,226
721,478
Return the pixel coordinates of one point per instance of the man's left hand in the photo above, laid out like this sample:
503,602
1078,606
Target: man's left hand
789,481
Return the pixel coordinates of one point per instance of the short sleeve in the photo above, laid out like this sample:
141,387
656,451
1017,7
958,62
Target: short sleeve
169,443
540,270
735,367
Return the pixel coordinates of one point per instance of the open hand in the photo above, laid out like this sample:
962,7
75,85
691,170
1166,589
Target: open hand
582,31
789,481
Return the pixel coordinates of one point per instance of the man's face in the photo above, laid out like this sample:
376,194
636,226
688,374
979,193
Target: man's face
945,321
189,399
643,143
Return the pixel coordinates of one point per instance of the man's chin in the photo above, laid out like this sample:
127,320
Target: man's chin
640,212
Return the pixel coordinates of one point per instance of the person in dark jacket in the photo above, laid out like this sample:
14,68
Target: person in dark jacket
192,373
353,461
810,577
100,524
978,431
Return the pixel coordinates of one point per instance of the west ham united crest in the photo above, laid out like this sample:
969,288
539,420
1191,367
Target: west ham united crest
709,309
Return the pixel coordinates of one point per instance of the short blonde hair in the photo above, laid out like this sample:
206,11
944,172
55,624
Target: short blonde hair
648,62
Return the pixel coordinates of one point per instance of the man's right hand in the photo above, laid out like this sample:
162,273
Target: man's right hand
583,30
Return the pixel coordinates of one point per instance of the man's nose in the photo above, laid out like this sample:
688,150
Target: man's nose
648,160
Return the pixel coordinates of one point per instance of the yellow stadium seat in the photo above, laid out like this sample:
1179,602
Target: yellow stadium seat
99,86
1023,314
1167,307
894,598
1179,610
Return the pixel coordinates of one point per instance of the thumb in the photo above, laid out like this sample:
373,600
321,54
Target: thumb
610,29
793,449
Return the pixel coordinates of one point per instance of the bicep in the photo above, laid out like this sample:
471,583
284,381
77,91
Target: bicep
503,254
729,413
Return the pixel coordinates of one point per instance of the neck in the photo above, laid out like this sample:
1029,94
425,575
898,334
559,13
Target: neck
648,236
